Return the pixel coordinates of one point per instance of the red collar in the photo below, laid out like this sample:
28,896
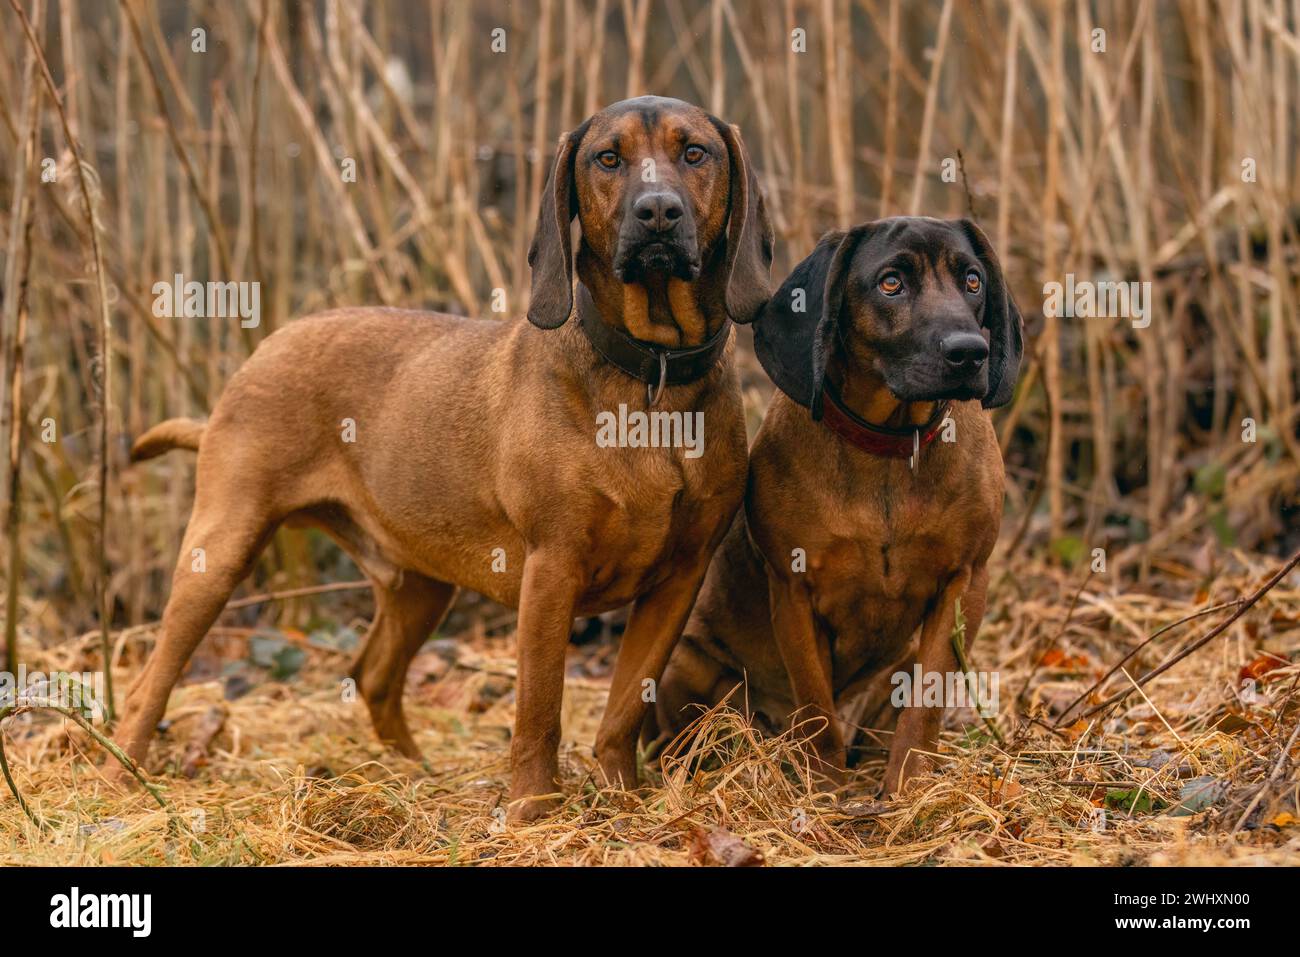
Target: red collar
876,439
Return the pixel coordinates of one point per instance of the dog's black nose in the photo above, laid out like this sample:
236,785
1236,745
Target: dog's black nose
658,212
966,350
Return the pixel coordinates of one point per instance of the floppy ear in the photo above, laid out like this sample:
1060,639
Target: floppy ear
1006,328
551,254
795,334
749,234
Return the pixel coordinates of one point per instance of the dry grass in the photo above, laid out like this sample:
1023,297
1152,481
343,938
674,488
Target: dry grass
295,777
225,166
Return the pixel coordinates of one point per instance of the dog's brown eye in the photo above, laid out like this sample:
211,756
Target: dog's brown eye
608,159
891,285
694,154
973,282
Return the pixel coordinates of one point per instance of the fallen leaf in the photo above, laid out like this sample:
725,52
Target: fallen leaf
427,669
196,751
1233,721
1134,801
1158,759
344,639
1257,669
862,809
491,690
276,653
1001,789
1052,657
1075,731
1056,658
1199,794
717,845
992,846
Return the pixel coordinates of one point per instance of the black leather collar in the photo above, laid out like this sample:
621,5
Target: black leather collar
652,364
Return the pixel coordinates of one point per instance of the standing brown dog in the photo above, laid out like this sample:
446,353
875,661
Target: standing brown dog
442,452
885,337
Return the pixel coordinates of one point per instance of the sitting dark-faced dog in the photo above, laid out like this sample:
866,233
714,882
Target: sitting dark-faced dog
441,451
858,528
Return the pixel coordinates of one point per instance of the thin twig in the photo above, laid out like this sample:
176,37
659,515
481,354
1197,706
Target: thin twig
4,769
16,311
1277,771
298,593
1214,632
1154,635
102,740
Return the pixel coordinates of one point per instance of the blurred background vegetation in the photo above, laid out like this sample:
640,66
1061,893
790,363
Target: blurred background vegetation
1162,149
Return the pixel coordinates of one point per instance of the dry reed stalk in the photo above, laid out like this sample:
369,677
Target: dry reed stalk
1052,266
636,18
543,145
14,325
182,154
927,116
718,80
1011,62
837,135
894,43
105,355
328,168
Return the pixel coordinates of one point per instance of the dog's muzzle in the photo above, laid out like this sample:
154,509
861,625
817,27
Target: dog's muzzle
657,236
955,368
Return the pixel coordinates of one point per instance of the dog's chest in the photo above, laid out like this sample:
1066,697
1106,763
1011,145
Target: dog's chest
888,545
662,491
652,509
878,570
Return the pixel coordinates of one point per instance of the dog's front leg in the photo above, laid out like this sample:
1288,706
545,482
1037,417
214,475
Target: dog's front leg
807,657
918,727
653,628
546,601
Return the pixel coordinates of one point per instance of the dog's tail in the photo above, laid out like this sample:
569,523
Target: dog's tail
165,436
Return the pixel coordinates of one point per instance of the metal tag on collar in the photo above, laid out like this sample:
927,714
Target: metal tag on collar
654,392
916,449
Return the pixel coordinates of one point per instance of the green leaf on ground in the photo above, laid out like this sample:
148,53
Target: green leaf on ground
1134,801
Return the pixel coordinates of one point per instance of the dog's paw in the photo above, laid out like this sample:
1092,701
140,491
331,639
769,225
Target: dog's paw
899,775
528,810
118,777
